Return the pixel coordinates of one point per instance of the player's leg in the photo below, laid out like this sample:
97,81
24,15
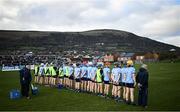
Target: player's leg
124,91
127,94
119,91
40,80
70,83
75,85
79,85
113,87
116,91
46,80
91,86
132,95
85,84
101,88
54,80
43,79
107,89
95,87
61,81
82,80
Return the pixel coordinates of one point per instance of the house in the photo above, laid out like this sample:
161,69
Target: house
126,56
139,59
151,57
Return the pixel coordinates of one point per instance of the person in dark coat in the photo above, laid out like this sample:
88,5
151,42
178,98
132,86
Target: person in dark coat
25,81
142,81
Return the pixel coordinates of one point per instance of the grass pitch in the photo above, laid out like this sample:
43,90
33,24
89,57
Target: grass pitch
164,94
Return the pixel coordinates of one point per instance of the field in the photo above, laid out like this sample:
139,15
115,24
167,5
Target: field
164,94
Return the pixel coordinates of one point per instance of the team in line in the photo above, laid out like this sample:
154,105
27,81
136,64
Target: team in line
91,78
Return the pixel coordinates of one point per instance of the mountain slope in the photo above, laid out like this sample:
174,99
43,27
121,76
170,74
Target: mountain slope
104,39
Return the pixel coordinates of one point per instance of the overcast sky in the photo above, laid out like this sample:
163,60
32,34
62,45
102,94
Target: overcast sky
156,19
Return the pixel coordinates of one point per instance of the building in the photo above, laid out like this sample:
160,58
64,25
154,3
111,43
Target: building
151,57
139,59
126,56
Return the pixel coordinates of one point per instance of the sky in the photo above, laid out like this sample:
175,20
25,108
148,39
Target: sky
155,19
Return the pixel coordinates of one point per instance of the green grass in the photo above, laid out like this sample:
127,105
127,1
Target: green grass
164,94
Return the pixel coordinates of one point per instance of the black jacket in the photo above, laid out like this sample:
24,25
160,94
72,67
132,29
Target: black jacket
25,76
142,77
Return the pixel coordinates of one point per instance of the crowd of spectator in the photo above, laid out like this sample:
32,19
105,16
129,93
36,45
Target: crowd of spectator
17,60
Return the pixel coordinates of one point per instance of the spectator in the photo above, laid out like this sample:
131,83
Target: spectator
25,81
142,81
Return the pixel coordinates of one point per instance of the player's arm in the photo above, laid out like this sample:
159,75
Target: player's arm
95,76
119,75
79,73
134,78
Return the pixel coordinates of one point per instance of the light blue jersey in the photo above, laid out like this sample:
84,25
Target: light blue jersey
84,71
130,74
120,75
106,72
89,69
64,70
124,74
71,70
77,72
93,73
41,71
116,74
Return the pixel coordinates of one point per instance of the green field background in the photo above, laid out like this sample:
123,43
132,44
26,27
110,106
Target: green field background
164,94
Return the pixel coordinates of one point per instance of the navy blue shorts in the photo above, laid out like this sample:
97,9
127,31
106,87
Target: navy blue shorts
83,78
71,77
120,84
115,84
66,76
54,76
106,82
130,85
61,77
86,79
93,81
123,84
78,80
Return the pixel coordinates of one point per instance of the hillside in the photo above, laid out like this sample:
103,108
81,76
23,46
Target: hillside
104,40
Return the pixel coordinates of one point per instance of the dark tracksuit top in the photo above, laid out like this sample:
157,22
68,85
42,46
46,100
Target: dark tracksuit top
142,78
25,80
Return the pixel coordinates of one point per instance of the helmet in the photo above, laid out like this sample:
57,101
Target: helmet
42,64
107,64
129,63
90,63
